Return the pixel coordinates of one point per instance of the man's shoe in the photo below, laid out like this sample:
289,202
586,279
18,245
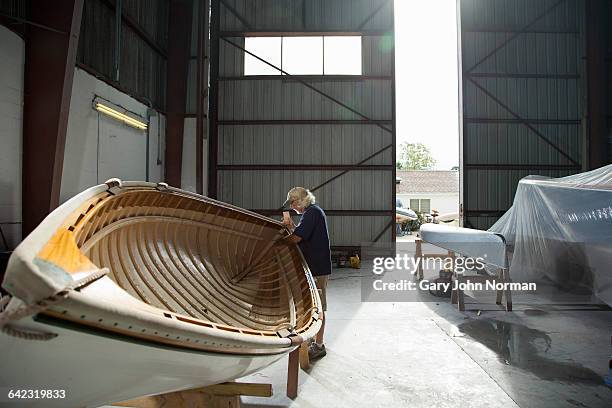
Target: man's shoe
316,351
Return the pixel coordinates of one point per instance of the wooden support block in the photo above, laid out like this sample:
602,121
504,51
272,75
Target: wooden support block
451,255
292,373
304,359
507,292
225,395
460,300
419,255
454,296
460,295
181,399
238,388
498,298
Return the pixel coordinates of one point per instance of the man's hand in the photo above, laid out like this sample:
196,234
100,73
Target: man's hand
288,222
294,239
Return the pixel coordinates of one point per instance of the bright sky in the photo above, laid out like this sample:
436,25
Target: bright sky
426,77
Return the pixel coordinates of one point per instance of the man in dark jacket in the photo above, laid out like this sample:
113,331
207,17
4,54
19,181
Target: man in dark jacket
312,237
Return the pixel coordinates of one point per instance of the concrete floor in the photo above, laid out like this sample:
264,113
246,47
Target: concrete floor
427,354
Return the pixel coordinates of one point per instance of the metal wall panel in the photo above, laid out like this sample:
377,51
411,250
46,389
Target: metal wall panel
143,65
279,99
143,70
231,59
267,189
344,229
311,15
97,39
286,131
375,55
152,16
302,144
14,8
523,98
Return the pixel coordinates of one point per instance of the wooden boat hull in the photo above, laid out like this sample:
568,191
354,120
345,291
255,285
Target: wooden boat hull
139,289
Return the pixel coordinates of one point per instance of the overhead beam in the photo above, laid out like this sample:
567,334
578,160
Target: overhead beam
355,213
50,58
179,35
517,166
265,122
515,30
311,33
18,24
509,75
347,167
522,121
313,78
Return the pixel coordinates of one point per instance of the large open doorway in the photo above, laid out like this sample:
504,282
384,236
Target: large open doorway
427,104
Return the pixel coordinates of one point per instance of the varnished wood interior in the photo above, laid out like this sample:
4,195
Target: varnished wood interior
199,259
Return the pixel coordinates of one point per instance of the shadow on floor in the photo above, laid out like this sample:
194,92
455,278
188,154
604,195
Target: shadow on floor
526,348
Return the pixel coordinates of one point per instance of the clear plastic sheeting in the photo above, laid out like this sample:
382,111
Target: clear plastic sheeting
560,231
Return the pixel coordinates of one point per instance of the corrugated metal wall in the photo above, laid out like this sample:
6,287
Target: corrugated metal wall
144,35
274,133
16,8
523,98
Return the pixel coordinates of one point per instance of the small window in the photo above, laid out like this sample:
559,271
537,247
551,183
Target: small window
420,205
334,55
342,56
414,205
425,206
303,55
267,48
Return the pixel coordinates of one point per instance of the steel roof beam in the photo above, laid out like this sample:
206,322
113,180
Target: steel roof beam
179,34
312,33
348,167
264,122
50,58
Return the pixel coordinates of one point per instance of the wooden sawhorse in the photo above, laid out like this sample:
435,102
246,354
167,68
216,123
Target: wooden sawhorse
457,295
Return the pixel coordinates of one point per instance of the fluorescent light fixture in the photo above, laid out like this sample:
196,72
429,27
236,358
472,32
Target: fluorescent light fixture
120,116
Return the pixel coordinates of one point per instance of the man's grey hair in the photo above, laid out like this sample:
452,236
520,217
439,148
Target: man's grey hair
301,196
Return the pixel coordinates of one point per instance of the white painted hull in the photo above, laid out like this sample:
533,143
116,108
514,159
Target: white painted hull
95,370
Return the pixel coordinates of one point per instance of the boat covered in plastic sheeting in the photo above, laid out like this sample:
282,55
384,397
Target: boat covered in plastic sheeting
560,230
